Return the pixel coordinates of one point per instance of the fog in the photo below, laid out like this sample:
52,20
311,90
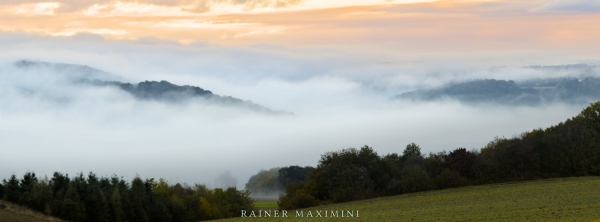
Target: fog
340,98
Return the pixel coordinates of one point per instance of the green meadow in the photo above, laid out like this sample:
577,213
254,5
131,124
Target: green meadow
268,205
560,199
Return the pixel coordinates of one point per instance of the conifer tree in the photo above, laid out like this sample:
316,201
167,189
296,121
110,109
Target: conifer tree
159,210
1,191
26,188
60,185
411,150
72,209
11,189
116,208
42,196
139,200
96,205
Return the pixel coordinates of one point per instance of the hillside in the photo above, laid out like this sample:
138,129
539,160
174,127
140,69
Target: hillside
15,213
6,215
167,92
527,92
59,77
574,198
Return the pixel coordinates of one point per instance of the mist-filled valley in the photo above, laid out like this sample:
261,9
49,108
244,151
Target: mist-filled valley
189,110
52,120
334,98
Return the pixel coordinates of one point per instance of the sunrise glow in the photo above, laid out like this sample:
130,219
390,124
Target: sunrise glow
415,24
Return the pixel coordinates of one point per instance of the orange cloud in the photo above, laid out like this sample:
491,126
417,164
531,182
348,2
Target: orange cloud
444,26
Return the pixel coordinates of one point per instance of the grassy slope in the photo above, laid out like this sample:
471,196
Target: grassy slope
15,213
543,200
6,215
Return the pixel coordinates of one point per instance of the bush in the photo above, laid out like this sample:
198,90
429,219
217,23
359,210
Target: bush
299,200
296,197
450,179
414,179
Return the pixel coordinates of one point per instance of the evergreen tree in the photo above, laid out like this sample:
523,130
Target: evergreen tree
60,184
116,208
411,150
1,191
128,211
86,199
26,186
12,190
139,198
42,196
159,210
96,205
72,208
93,198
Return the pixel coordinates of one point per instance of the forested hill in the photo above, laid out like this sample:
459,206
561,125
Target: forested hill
168,92
528,92
162,91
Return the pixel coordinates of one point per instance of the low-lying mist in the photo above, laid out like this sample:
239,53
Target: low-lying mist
49,124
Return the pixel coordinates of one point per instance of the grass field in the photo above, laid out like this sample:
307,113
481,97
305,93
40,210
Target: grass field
269,205
563,199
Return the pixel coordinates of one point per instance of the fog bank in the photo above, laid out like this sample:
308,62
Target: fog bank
340,100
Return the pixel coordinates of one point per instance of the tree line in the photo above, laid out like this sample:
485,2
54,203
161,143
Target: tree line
570,148
96,199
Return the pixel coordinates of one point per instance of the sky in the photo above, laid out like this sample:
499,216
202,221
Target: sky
334,64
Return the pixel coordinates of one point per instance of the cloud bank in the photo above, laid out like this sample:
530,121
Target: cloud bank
570,6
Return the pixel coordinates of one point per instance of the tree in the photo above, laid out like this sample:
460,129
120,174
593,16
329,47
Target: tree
12,190
411,150
116,208
292,174
139,200
238,200
72,207
573,146
26,186
434,163
265,182
205,209
461,161
60,184
159,210
296,196
449,179
591,115
1,191
225,180
96,205
42,196
348,174
415,178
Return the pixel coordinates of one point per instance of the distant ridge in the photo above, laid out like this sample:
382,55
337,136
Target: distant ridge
70,70
163,91
168,92
529,92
